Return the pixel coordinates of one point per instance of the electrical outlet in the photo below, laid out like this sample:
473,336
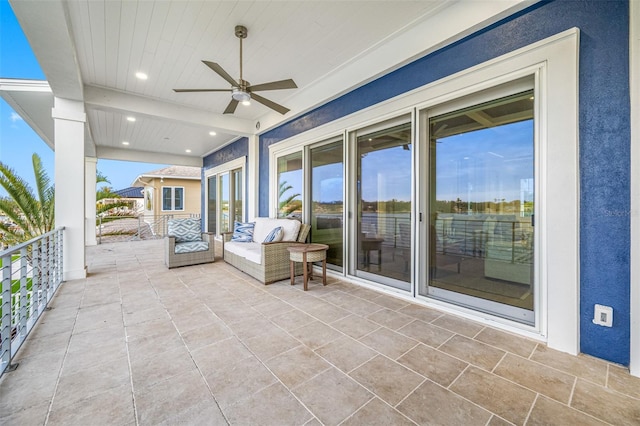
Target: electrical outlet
603,315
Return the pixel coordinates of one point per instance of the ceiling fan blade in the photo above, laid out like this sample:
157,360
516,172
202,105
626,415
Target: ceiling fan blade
231,108
221,72
266,102
201,90
274,85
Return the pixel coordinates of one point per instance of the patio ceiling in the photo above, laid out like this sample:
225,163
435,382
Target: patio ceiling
90,51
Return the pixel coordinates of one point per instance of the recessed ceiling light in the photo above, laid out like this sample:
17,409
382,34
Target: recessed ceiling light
125,143
187,150
212,133
141,75
131,119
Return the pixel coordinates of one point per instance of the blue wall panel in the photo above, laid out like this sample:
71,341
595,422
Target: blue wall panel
604,140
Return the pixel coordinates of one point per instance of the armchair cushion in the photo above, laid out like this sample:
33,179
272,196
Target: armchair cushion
243,232
185,230
191,247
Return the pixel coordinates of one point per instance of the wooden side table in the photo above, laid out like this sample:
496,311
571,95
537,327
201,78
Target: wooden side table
307,254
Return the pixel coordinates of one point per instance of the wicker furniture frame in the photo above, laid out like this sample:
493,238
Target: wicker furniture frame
174,260
274,264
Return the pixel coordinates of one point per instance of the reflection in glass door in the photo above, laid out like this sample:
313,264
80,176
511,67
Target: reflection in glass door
290,185
481,191
383,237
327,200
212,209
224,203
236,183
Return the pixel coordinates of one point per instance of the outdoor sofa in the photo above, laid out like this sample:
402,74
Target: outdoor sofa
256,254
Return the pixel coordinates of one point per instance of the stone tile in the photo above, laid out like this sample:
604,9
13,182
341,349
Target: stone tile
326,312
387,379
146,346
150,328
432,404
151,370
272,308
473,352
111,407
292,320
623,382
76,385
507,342
52,343
185,322
538,377
101,337
33,382
251,326
498,421
355,326
271,343
315,334
354,304
388,342
34,415
390,319
332,396
461,326
582,366
220,355
549,412
170,398
273,405
421,312
433,364
205,413
504,398
346,353
377,413
389,302
136,316
605,404
206,335
426,333
296,366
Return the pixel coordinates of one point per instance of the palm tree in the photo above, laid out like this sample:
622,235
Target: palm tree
289,203
31,214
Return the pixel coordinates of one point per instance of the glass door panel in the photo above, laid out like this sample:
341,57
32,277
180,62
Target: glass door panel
237,195
383,241
481,184
327,200
224,203
212,205
290,185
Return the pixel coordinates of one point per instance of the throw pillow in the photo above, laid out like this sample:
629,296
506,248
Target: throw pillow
275,235
242,232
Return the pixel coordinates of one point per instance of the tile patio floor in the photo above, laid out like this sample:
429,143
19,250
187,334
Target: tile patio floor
137,344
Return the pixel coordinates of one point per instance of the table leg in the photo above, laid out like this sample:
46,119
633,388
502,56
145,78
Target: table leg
324,271
292,270
305,270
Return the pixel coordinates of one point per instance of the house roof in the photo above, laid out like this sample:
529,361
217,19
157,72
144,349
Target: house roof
130,192
173,172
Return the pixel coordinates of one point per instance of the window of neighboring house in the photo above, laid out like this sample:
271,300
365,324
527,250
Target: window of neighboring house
172,198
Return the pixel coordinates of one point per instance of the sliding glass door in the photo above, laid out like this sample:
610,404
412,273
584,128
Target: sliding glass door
224,200
481,207
381,248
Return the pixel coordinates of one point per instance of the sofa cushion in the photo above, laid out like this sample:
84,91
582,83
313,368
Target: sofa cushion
191,246
242,232
274,236
185,230
249,251
264,225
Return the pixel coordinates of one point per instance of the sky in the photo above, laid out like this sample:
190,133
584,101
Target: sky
18,142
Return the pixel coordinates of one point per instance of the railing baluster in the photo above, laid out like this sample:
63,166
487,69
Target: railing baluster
22,324
5,323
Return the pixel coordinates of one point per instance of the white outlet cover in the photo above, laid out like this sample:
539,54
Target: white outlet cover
603,315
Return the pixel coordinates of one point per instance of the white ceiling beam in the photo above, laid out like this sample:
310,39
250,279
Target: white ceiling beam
120,154
113,100
46,26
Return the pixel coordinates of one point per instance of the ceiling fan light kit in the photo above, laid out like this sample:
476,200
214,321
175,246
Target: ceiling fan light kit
241,90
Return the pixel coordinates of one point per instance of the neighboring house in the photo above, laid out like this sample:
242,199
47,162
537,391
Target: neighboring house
170,191
133,196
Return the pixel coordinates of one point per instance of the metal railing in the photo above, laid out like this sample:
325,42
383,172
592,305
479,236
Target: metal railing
31,274
127,228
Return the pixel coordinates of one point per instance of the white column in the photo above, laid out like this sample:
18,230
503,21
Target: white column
252,202
90,168
69,118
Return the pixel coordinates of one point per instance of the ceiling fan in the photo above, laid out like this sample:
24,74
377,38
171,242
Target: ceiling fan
241,90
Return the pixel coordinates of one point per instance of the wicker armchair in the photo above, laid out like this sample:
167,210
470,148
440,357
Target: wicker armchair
274,258
186,245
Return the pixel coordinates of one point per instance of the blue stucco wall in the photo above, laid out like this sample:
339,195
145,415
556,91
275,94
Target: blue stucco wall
604,133
225,154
